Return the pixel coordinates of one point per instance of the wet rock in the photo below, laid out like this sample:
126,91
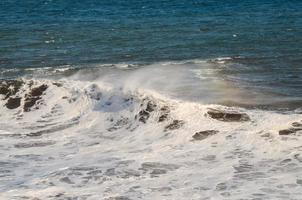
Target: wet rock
165,111
30,102
10,87
150,106
176,124
289,131
57,84
38,91
227,116
34,95
13,103
204,134
4,90
144,114
296,124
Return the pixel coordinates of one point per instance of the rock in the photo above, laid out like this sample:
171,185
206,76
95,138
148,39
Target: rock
289,131
296,124
204,134
13,103
57,84
144,114
38,91
10,87
4,90
227,116
176,124
34,95
164,114
30,102
150,106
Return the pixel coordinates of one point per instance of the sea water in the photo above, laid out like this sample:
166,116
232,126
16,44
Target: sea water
129,84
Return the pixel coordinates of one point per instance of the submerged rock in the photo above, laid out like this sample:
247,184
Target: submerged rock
176,124
13,103
204,134
227,116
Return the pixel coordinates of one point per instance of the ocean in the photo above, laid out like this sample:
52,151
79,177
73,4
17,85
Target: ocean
197,99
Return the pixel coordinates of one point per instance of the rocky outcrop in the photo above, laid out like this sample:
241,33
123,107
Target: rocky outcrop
164,114
13,103
176,124
204,134
144,114
295,127
227,116
10,87
34,95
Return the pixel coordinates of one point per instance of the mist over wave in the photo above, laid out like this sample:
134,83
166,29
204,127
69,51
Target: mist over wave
150,132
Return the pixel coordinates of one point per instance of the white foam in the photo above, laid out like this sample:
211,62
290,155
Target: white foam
93,145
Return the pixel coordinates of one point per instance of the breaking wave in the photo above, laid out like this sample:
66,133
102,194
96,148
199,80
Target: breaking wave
114,135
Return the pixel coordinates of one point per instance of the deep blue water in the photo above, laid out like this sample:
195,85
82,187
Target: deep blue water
266,35
53,32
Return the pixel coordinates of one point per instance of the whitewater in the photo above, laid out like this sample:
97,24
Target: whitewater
125,131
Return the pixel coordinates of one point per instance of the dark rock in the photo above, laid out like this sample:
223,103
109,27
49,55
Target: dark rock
204,134
163,117
30,102
289,131
296,124
4,90
150,106
10,87
227,116
143,116
165,111
57,84
38,91
176,124
13,103
34,95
